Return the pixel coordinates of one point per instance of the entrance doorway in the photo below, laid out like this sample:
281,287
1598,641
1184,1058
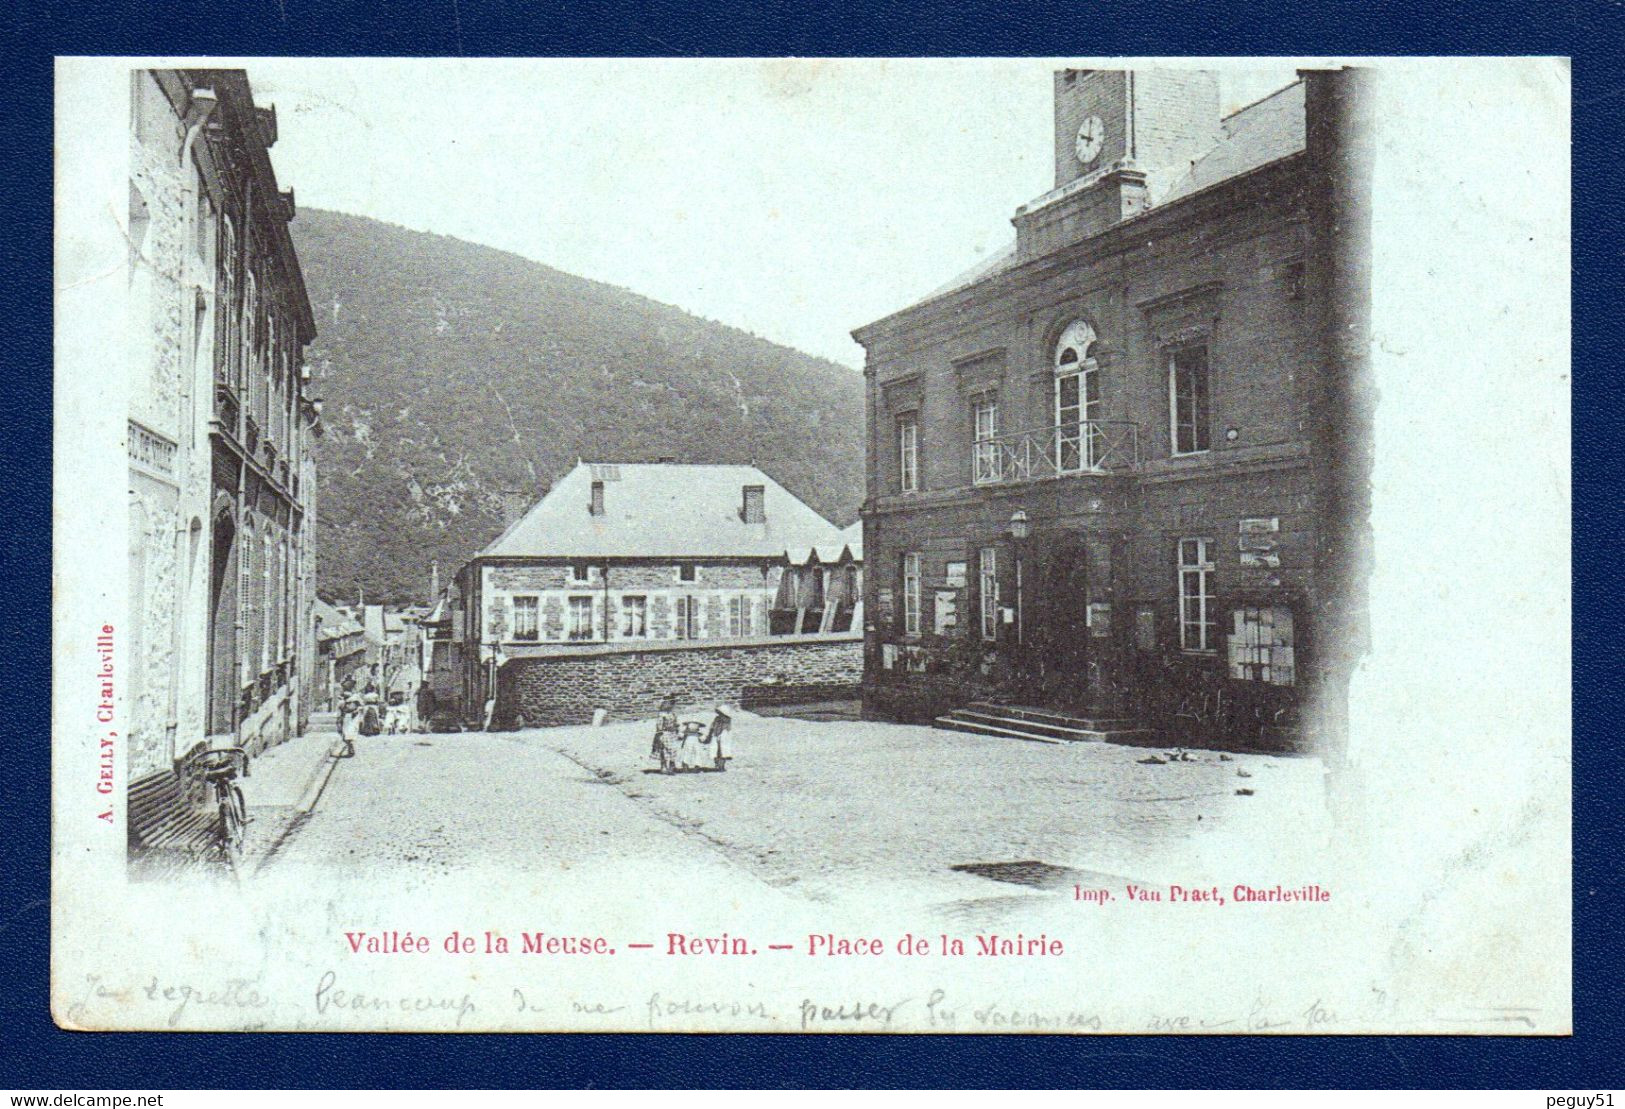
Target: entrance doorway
222,663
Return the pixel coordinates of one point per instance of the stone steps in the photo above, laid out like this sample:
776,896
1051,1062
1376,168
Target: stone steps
1040,725
1088,722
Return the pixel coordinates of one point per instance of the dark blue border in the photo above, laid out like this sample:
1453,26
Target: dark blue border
41,1056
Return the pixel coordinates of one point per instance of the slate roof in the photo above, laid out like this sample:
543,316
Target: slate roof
335,624
662,510
1263,132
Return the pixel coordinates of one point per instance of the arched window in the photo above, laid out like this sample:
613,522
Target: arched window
1077,400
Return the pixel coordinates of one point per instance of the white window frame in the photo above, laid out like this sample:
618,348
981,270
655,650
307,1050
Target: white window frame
693,570
987,578
911,593
634,606
574,627
584,576
986,461
1084,437
687,617
1195,558
908,452
739,614
536,612
1201,421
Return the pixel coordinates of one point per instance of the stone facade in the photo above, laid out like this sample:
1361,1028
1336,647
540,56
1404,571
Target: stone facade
1094,624
630,683
221,499
622,558
728,594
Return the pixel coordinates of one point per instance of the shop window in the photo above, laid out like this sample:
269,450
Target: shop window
634,612
1261,648
526,622
1196,625
908,452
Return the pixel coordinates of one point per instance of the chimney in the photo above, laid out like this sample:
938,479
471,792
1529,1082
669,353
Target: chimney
753,511
596,507
514,504
434,580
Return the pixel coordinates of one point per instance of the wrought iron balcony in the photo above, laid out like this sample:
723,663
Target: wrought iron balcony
1081,447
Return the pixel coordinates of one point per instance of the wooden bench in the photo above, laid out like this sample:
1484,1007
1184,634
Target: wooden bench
174,817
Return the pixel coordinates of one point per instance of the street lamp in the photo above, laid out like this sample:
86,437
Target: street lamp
1019,528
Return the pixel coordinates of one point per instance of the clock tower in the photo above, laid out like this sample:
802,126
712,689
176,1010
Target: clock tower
1153,120
1122,138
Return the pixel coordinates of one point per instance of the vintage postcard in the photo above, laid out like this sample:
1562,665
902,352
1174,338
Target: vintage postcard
889,546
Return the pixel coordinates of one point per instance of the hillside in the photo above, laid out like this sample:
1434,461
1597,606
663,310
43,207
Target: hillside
451,372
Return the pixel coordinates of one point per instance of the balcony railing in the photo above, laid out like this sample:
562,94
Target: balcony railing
1083,447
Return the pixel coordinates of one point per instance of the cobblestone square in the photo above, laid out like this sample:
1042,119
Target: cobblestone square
822,810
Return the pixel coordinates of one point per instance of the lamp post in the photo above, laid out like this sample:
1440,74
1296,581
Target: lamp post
1019,528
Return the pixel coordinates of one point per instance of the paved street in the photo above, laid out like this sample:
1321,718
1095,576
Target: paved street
816,809
442,803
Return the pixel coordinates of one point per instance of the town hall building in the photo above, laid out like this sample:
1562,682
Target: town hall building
1117,473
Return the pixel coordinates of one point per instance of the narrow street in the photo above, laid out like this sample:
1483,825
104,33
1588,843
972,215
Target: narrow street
815,809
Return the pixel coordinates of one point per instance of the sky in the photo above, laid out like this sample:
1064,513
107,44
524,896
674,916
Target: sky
793,199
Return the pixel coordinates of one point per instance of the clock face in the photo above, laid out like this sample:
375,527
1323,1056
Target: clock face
1091,136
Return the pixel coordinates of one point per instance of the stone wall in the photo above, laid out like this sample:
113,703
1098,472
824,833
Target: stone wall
631,683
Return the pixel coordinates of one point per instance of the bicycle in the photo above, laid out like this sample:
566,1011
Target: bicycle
219,768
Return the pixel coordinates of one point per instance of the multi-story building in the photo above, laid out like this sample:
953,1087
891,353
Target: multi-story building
628,582
1116,472
341,651
221,429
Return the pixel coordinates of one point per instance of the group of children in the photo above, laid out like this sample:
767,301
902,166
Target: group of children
685,745
366,709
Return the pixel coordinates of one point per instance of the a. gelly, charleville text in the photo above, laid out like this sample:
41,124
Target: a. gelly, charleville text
107,741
